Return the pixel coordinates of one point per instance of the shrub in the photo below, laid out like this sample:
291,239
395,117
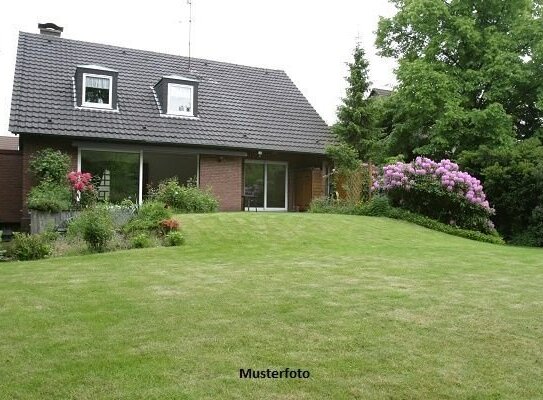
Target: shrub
50,165
95,225
174,238
168,225
185,198
84,192
325,205
49,196
379,206
439,191
148,217
513,177
29,247
121,213
429,223
141,241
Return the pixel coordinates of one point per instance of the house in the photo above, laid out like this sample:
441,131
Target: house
11,182
136,117
376,92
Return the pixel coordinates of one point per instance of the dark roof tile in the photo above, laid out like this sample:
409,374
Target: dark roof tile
239,106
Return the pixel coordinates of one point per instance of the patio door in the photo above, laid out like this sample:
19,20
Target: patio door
265,185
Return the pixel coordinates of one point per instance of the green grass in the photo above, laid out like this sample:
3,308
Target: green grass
373,308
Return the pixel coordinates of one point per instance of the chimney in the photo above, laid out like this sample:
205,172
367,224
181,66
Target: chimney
50,29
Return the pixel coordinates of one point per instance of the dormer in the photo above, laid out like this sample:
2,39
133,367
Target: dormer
96,87
178,95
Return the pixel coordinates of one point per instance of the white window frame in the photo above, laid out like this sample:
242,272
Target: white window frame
266,163
97,105
169,111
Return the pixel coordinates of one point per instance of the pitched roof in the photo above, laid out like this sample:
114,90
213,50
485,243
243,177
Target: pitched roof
9,143
238,106
380,92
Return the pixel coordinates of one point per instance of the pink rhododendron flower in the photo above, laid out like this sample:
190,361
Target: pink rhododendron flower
447,173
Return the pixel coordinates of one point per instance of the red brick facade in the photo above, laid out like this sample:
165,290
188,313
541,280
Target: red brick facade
11,183
223,175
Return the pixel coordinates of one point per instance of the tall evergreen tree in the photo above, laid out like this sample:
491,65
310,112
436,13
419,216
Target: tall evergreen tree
355,124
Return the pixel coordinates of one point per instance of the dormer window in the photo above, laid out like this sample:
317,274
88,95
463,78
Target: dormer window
96,87
180,99
177,95
97,90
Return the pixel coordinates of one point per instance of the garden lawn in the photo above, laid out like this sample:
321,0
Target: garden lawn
373,308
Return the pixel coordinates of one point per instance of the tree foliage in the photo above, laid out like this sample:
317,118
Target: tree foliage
356,116
344,156
469,74
513,177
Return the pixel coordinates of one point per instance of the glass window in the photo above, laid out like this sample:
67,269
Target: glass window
276,178
115,174
180,99
254,185
265,185
97,90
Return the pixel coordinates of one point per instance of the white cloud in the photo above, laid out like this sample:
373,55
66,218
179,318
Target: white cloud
310,40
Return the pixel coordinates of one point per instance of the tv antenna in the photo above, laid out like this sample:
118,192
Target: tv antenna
189,2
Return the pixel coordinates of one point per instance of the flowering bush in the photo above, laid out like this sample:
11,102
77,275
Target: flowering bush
438,190
80,181
82,188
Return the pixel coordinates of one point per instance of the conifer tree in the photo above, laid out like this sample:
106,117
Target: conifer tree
356,125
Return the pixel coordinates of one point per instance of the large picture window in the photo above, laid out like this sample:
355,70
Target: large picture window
116,175
97,90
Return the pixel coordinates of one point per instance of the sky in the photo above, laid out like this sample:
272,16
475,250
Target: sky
309,39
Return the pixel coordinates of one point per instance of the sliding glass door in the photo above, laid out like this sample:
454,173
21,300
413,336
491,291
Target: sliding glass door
265,185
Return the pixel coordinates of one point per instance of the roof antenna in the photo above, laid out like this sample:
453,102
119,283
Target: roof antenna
189,2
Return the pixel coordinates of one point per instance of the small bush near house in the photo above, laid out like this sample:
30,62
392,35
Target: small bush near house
50,165
84,192
168,225
378,206
141,240
326,205
95,225
148,217
174,238
29,247
49,196
185,198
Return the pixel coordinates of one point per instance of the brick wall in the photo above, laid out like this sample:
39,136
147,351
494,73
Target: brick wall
223,175
29,145
11,183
